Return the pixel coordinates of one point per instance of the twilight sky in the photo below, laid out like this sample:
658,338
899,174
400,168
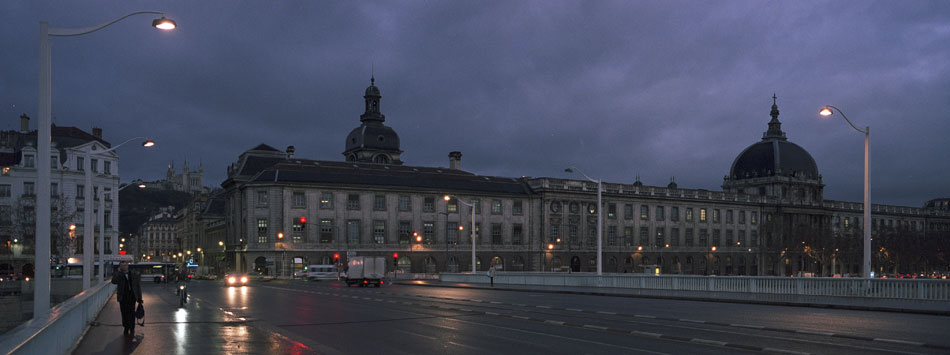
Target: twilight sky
521,88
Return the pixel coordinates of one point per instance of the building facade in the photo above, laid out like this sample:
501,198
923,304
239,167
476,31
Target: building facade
80,178
160,240
769,219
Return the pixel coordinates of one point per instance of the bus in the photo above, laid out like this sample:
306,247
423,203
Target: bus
326,272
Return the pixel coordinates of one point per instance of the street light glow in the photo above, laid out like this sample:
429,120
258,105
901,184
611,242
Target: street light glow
447,197
825,111
148,143
220,243
164,24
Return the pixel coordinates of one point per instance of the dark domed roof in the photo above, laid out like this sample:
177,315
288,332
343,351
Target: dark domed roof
774,156
372,136
372,90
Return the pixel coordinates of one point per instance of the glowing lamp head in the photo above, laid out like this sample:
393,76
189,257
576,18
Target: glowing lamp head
418,238
826,111
550,246
447,197
141,185
713,248
220,243
148,143
639,248
72,227
164,24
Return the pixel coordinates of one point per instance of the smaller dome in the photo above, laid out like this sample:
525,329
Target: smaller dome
372,90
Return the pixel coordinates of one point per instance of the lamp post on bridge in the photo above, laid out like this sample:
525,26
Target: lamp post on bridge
474,240
600,218
41,294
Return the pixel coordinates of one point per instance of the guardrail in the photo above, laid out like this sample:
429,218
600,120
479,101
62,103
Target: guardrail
916,289
58,331
928,295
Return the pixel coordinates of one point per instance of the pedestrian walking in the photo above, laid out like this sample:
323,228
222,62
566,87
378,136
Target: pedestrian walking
491,275
128,291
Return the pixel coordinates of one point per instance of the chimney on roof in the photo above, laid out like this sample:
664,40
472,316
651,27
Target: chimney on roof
290,151
24,123
455,160
97,132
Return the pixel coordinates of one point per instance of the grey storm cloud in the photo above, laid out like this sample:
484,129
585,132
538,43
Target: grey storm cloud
523,88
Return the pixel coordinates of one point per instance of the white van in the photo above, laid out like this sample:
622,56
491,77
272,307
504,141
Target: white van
325,272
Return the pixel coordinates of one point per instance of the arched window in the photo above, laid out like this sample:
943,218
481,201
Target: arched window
430,265
452,265
498,263
517,264
405,264
381,159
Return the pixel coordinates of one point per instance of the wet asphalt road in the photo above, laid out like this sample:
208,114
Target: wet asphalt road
328,317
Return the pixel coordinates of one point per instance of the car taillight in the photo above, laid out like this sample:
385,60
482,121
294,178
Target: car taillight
381,282
364,281
189,276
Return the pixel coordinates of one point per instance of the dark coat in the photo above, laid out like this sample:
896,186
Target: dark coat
120,291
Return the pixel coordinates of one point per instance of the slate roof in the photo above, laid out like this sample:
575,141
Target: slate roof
302,171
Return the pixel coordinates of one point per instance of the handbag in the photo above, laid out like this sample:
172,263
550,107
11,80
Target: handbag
140,314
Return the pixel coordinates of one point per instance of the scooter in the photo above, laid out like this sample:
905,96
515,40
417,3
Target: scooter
182,293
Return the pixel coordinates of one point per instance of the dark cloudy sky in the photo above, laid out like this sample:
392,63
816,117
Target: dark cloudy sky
619,89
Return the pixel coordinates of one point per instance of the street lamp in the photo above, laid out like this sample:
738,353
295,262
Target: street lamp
600,222
88,236
102,223
472,205
828,111
43,139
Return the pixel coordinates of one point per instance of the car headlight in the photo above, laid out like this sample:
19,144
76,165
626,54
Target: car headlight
244,280
182,287
231,280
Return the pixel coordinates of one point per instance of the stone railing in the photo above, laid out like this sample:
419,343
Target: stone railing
58,332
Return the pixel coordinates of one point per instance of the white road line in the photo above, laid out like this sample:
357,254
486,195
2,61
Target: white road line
783,351
491,313
546,307
594,327
465,309
708,342
693,321
896,341
416,334
521,317
811,332
655,335
561,337
556,322
605,312
747,326
495,302
574,309
643,316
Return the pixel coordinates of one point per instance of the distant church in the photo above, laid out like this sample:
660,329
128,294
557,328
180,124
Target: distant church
185,181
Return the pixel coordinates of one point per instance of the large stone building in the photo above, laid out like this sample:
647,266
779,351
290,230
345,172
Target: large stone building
73,152
770,218
186,180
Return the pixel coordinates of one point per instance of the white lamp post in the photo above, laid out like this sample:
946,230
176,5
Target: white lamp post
102,225
600,221
87,237
866,269
44,135
472,206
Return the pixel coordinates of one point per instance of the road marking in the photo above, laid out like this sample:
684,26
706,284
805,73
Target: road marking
693,321
708,342
605,312
811,332
895,341
654,335
574,309
465,309
495,302
416,334
557,322
491,313
643,316
747,326
560,336
546,307
783,351
520,317
519,304
594,327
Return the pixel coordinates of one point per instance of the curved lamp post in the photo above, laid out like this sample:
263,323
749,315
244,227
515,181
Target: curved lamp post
866,268
472,206
102,225
600,220
44,133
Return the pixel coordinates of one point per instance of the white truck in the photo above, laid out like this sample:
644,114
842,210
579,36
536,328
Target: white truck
366,270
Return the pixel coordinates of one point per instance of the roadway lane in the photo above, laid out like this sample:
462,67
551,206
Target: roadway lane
332,318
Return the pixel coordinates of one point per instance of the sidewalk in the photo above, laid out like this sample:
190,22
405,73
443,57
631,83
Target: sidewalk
196,329
699,296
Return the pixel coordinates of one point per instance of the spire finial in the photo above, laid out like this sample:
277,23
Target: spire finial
774,98
775,127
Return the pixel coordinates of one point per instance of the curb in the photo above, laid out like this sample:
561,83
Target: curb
699,299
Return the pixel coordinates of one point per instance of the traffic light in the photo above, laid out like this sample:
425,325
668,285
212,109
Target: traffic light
122,252
395,260
336,256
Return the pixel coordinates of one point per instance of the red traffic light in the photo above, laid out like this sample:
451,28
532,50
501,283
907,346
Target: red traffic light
303,220
122,252
395,255
336,256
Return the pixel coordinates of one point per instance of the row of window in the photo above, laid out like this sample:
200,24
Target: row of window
659,213
658,239
352,232
29,189
404,203
29,161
